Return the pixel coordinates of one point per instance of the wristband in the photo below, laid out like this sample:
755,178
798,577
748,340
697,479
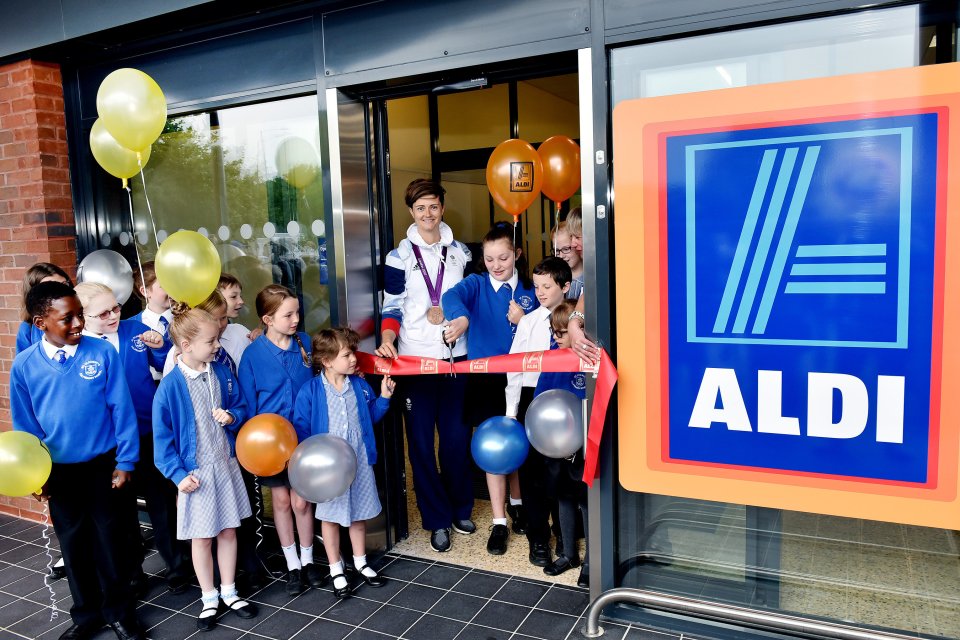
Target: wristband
578,314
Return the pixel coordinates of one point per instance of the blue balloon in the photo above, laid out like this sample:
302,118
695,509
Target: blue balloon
499,445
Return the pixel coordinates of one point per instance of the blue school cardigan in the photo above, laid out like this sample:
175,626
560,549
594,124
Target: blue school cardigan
175,426
137,359
310,415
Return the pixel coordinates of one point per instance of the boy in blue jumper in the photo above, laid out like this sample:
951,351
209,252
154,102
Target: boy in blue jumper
70,391
140,348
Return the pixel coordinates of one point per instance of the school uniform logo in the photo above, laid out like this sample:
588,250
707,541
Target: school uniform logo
91,369
137,344
526,302
579,381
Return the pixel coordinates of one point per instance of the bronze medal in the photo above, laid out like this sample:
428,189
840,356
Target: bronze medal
435,315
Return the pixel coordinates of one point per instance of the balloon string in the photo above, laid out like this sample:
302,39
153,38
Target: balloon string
133,230
45,520
153,223
259,510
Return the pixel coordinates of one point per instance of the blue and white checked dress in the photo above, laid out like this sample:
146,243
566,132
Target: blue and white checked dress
221,500
361,502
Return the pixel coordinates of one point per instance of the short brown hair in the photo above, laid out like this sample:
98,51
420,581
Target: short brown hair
423,188
560,316
34,276
213,302
327,344
228,280
149,277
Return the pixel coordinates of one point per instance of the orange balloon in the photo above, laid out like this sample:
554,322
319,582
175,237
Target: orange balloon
265,444
561,167
514,175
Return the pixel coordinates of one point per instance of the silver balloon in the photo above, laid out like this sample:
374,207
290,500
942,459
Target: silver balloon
554,423
322,468
109,268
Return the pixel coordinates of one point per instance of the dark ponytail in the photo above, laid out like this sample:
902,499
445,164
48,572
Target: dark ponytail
506,231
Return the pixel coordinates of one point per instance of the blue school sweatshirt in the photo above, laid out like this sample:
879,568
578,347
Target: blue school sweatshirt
311,418
175,425
137,359
27,335
80,409
271,377
489,333
576,383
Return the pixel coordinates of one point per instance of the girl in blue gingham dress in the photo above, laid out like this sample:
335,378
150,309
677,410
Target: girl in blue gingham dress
337,402
196,414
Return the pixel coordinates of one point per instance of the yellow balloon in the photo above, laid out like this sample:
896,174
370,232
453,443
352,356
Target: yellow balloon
297,162
24,464
188,267
115,159
132,108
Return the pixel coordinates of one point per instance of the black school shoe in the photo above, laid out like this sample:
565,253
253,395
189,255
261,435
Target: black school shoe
81,631
540,555
294,583
518,518
561,565
314,576
583,580
497,544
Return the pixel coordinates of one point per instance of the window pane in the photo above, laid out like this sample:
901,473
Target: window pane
248,178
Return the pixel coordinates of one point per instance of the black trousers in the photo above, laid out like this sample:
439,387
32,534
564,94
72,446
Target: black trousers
160,494
91,522
533,483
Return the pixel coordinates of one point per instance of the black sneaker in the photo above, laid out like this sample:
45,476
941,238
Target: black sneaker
440,540
518,518
539,554
497,544
466,527
294,582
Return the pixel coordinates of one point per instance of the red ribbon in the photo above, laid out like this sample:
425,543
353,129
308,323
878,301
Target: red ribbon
554,361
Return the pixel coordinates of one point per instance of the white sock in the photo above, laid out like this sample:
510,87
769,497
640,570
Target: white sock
290,553
336,572
502,521
306,555
515,501
209,600
228,593
360,562
59,563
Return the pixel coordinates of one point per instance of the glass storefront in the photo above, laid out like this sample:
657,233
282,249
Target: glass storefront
875,574
247,178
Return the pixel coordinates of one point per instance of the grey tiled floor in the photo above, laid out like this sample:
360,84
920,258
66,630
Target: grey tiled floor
422,600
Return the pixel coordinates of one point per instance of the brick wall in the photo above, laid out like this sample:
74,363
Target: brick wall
36,209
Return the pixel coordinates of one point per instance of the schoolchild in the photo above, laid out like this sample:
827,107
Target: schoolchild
564,476
487,307
69,391
235,337
563,248
140,349
28,333
551,280
273,369
156,314
339,402
216,306
196,415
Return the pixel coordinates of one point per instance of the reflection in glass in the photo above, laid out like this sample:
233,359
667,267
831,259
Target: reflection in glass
247,178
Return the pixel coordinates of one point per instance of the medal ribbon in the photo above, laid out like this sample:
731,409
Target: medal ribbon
554,361
432,289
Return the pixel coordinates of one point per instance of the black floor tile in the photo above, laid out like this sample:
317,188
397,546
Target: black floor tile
282,624
521,592
63,622
565,600
178,601
151,615
11,573
154,563
313,602
391,620
476,632
547,624
229,619
380,594
20,553
434,628
501,615
351,610
441,576
17,611
275,594
6,544
38,623
325,629
29,583
403,569
480,584
459,606
644,634
220,632
366,634
176,627
415,596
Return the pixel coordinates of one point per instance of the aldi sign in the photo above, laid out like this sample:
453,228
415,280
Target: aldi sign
792,288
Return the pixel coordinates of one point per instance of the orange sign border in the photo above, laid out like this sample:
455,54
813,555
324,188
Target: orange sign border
637,128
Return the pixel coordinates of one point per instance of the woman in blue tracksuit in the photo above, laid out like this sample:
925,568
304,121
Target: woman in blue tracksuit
273,369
